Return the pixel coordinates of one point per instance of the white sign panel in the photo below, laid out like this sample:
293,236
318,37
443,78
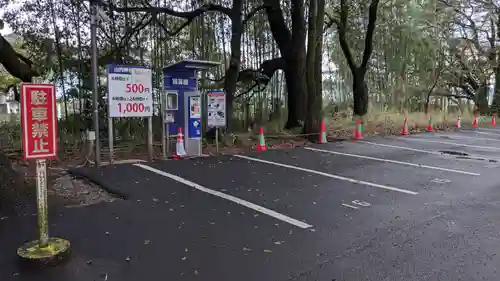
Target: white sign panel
216,102
130,91
194,107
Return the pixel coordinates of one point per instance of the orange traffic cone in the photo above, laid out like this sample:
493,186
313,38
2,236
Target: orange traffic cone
179,152
429,126
322,134
404,130
262,143
358,131
493,119
475,123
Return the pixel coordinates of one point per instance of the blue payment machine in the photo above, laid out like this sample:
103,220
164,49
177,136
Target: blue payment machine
180,79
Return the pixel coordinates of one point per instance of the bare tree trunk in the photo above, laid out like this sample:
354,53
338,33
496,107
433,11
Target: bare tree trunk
360,89
235,60
292,47
314,63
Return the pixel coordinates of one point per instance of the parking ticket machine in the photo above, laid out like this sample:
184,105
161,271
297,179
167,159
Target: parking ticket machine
180,80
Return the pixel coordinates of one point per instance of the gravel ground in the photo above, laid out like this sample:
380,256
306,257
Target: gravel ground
78,192
69,191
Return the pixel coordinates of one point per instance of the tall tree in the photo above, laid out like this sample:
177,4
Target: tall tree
291,43
314,63
360,89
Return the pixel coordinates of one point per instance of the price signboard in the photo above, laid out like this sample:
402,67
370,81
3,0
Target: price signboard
130,91
39,121
216,101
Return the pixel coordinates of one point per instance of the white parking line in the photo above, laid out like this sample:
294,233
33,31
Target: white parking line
486,133
231,198
349,206
393,161
489,129
468,137
386,187
453,143
401,147
422,150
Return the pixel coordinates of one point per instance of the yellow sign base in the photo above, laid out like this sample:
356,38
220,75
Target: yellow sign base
56,251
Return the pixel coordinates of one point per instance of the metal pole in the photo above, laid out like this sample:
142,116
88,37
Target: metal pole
111,139
217,140
163,139
93,39
150,138
168,143
41,192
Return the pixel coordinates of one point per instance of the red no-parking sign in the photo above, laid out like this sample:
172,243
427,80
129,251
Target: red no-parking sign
39,121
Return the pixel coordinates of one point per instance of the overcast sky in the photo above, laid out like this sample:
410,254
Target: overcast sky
6,29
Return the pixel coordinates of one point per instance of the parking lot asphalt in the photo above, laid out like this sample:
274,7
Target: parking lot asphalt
419,207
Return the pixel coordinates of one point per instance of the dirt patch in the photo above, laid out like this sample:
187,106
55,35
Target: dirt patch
75,192
456,153
64,189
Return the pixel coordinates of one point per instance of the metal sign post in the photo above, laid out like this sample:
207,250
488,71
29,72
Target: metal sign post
96,14
111,140
130,95
216,108
41,195
39,131
150,139
95,100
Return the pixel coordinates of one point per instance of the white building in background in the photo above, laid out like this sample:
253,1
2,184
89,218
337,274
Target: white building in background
8,106
9,109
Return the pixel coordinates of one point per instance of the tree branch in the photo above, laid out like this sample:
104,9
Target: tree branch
247,91
190,15
467,91
16,64
154,11
253,12
372,19
342,25
140,25
456,96
472,25
280,31
260,76
330,22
